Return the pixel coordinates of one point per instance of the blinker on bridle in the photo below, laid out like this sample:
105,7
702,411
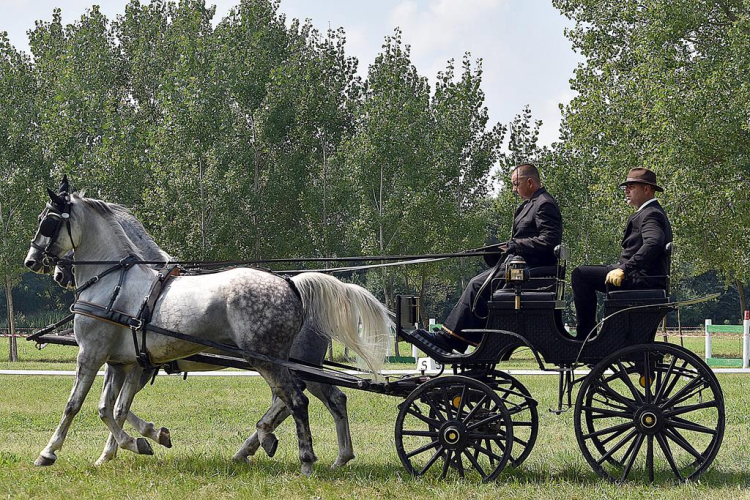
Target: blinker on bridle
50,227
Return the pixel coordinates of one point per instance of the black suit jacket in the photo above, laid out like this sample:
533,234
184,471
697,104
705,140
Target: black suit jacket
537,230
647,233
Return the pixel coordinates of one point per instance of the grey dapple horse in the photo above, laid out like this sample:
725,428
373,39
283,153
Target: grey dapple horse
257,311
308,346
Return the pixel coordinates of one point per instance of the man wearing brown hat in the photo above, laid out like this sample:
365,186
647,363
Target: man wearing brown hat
643,261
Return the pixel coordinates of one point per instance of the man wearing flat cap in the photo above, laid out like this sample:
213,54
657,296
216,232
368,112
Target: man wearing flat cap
643,262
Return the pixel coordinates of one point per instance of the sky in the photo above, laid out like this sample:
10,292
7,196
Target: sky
526,58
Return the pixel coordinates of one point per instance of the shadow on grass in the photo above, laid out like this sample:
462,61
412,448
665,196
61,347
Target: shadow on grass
261,467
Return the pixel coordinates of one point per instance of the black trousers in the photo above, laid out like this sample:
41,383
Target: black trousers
586,281
462,317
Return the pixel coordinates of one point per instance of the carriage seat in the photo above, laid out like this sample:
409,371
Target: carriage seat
655,293
616,295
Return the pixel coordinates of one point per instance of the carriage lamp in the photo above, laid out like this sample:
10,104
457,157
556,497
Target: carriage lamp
516,274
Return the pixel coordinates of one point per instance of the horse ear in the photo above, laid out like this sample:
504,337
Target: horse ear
64,185
57,200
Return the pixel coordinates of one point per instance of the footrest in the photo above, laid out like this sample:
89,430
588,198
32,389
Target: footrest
437,353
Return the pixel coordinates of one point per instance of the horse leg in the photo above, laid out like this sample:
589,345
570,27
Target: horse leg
86,370
283,384
114,375
106,413
335,400
146,429
277,413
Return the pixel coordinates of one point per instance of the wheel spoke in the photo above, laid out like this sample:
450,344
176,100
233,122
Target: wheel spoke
622,374
431,402
647,374
617,397
476,407
488,420
681,423
447,463
448,404
605,413
500,436
489,453
669,387
421,416
422,449
462,402
663,381
664,445
475,464
682,443
687,409
632,452
650,457
616,447
431,461
432,434
614,436
459,464
609,430
686,389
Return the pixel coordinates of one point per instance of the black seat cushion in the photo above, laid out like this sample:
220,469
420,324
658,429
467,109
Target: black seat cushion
656,293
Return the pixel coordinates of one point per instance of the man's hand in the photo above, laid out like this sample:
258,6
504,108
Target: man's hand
615,277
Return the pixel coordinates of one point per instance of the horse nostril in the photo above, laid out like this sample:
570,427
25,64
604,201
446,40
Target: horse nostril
30,263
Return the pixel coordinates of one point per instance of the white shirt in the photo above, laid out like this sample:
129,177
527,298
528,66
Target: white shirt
645,203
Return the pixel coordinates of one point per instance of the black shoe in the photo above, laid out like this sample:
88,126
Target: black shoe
442,339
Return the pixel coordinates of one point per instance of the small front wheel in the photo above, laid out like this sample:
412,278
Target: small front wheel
454,425
650,411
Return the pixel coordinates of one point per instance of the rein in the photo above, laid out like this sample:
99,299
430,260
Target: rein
401,260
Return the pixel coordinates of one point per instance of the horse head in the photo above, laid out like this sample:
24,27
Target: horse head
54,235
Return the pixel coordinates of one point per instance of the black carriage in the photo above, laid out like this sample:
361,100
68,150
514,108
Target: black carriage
644,408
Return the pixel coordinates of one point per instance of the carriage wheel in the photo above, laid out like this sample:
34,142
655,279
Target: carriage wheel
454,425
523,412
652,410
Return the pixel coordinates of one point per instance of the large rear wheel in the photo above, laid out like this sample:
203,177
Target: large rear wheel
651,411
454,426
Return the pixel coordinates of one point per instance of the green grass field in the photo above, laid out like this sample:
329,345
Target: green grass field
209,417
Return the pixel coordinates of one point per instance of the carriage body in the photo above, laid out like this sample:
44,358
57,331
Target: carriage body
645,409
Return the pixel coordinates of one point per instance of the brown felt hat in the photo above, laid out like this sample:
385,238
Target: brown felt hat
642,176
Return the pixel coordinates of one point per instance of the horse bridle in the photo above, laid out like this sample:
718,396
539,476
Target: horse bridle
52,223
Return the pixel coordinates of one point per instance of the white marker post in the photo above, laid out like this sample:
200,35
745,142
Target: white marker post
746,340
709,354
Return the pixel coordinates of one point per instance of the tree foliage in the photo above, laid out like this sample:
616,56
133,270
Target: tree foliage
665,86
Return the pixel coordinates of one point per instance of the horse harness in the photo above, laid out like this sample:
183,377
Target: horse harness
141,322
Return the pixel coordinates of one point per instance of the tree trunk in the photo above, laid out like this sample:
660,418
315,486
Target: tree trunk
743,302
13,356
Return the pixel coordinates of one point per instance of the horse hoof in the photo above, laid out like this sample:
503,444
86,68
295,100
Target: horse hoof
269,444
143,447
240,458
307,469
164,437
43,461
340,462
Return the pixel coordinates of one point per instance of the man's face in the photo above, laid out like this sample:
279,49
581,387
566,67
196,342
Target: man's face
636,194
522,186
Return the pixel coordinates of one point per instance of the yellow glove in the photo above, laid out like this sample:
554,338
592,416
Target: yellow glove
615,277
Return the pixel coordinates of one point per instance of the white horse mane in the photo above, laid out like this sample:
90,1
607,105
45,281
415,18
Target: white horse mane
110,216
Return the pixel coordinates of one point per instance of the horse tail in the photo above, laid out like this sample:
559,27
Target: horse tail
336,310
